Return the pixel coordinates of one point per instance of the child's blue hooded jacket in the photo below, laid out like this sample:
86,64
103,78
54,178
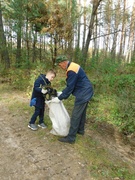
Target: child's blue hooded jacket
36,93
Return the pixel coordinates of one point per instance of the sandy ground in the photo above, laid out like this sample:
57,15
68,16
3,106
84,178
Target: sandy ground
37,155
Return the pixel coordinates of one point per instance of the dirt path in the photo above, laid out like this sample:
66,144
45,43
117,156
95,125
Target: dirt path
37,155
26,156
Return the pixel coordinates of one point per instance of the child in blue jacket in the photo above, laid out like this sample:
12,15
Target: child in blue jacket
38,98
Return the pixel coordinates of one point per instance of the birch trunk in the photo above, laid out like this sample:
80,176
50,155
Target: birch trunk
131,36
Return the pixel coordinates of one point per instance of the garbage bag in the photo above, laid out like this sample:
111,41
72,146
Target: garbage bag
59,117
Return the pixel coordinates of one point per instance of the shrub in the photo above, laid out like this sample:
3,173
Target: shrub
114,98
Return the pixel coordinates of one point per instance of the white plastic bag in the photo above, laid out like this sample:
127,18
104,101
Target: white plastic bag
59,117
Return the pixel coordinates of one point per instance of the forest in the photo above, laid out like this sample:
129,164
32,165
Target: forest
97,34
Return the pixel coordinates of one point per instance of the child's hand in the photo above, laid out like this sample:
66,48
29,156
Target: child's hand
43,91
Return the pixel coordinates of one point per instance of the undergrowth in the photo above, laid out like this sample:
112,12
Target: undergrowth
114,97
113,102
114,84
100,163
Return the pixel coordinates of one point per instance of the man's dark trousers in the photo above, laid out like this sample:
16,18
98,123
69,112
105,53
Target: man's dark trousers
77,121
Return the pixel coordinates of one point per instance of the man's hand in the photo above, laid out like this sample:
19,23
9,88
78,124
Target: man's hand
43,91
56,100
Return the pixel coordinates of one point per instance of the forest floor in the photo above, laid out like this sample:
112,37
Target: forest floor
38,155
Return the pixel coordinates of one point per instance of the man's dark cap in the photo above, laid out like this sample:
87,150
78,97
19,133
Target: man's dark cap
61,58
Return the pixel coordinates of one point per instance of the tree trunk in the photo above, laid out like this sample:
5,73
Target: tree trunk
40,48
131,37
3,46
108,16
34,46
90,31
117,22
78,29
18,53
55,49
121,51
84,28
95,44
27,39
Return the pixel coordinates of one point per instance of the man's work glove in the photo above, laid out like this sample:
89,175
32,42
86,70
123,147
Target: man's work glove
59,93
43,91
56,100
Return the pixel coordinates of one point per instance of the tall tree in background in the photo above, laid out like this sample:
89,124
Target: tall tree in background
107,20
38,18
78,26
117,20
84,25
95,40
3,46
72,10
95,5
123,30
131,36
58,27
16,13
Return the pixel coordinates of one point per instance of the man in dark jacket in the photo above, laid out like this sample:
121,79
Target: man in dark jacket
79,86
38,98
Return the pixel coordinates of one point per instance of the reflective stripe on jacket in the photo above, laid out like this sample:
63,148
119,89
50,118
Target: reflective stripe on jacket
73,67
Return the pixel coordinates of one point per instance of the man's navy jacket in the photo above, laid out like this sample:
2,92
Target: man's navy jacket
78,85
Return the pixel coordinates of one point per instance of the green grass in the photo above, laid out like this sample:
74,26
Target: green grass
100,163
113,102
